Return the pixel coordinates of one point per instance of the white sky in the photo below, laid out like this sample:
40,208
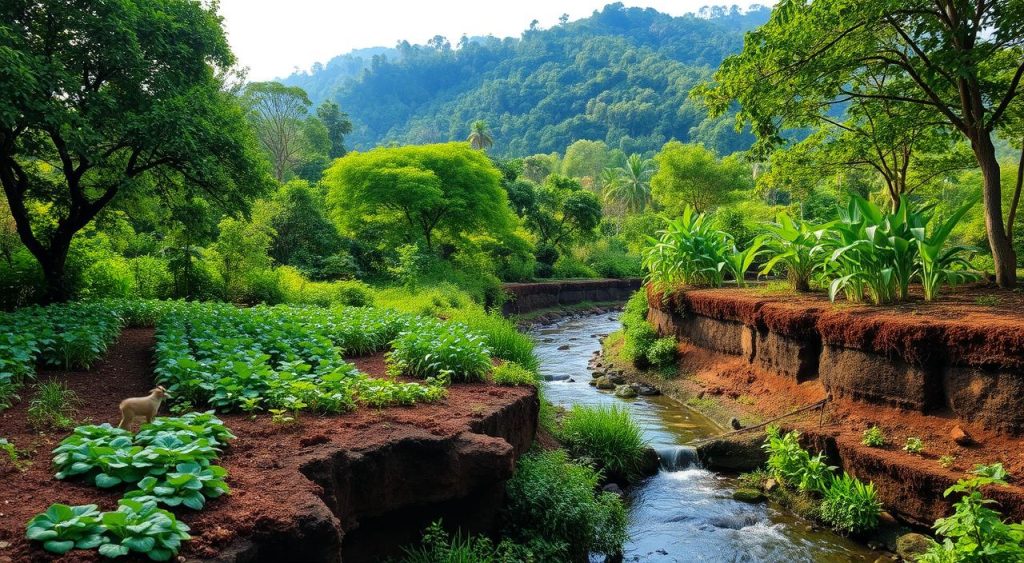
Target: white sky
274,37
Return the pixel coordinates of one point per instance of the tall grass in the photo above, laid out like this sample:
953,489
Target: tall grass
608,436
504,340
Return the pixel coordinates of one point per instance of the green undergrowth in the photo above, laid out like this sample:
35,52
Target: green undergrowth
607,437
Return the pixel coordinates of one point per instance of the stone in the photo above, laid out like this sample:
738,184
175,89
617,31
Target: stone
592,382
604,382
617,379
770,485
748,495
734,423
885,559
650,463
613,489
910,546
571,380
625,392
886,519
563,347
647,390
960,436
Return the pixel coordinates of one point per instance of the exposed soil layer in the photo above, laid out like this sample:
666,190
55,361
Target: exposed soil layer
526,297
308,491
917,370
962,355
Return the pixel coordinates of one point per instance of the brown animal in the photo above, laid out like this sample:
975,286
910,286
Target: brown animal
147,406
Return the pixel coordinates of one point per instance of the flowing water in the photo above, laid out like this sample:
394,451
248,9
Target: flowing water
684,513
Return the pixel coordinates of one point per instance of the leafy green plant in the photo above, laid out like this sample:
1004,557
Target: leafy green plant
638,334
63,528
429,348
190,484
13,455
606,435
54,405
914,445
139,526
940,265
947,461
689,251
850,505
511,373
975,532
437,547
552,509
502,337
873,437
737,262
786,459
281,416
790,244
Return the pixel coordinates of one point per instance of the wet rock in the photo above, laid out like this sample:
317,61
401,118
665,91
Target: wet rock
612,488
960,436
563,347
644,390
886,519
734,521
617,379
748,495
625,392
592,382
571,380
734,423
604,382
649,463
734,453
910,546
885,559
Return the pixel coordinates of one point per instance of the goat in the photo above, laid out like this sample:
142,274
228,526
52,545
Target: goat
142,406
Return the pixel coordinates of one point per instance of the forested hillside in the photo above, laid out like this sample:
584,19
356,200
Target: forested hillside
621,76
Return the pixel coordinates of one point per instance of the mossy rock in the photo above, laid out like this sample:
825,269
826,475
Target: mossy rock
625,392
748,495
604,382
910,546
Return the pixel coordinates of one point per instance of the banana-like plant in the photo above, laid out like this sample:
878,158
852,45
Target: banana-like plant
739,261
790,244
689,252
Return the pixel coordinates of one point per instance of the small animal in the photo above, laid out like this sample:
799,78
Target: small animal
147,406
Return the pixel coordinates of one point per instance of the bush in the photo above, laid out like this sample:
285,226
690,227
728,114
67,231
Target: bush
662,352
851,506
639,334
511,373
569,266
261,286
351,292
607,436
553,510
503,338
434,349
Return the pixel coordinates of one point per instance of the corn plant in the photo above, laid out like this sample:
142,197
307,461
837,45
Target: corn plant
738,261
789,244
940,265
689,252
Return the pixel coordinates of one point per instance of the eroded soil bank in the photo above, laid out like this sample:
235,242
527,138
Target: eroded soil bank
917,370
354,486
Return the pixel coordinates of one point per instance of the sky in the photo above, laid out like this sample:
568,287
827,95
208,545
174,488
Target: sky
275,37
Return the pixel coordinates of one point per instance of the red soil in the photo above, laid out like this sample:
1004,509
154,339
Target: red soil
971,326
270,493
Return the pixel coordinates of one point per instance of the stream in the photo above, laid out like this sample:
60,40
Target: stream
684,513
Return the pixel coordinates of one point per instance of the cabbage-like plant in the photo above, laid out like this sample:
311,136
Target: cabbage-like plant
190,484
789,244
63,528
141,527
431,349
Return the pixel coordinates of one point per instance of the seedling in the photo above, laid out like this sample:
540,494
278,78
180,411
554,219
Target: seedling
873,437
914,445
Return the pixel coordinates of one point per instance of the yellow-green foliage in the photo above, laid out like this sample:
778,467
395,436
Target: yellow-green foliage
297,289
511,373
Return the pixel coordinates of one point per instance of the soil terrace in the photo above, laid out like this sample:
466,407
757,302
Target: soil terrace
297,489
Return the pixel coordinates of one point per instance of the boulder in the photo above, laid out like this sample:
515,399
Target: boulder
604,382
617,379
748,495
960,436
650,463
910,546
625,392
770,485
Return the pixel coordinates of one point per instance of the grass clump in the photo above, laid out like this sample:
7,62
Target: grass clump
503,338
54,406
438,547
552,510
606,435
511,373
850,505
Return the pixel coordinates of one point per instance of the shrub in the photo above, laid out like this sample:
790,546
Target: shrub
873,437
689,251
434,349
606,435
503,338
662,352
914,445
511,373
351,292
850,506
975,532
639,334
553,510
795,466
569,266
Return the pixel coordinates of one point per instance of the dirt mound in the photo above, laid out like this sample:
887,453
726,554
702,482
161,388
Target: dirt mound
307,491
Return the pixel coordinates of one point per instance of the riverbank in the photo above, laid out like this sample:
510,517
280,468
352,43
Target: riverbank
752,356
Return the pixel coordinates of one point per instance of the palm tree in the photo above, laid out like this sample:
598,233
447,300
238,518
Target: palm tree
480,136
630,184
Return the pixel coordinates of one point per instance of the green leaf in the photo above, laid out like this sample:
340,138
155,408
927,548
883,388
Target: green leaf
59,547
105,481
114,550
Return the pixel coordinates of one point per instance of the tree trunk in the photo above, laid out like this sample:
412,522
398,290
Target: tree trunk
1003,256
52,261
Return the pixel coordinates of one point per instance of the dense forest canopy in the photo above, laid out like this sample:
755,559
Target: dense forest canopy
622,76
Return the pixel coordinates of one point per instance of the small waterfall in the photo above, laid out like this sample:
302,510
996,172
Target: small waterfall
677,458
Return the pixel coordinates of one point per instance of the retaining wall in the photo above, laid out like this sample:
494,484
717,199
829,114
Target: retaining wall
527,297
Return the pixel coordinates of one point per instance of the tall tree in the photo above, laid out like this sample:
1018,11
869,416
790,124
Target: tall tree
563,213
115,97
960,60
420,190
338,125
480,135
280,115
691,175
631,184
